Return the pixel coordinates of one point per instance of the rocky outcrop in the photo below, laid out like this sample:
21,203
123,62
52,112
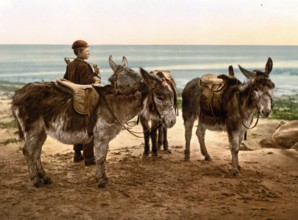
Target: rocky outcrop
285,136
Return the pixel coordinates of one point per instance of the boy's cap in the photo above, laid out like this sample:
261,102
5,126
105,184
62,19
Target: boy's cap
79,43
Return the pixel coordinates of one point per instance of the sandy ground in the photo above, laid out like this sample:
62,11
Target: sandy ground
163,188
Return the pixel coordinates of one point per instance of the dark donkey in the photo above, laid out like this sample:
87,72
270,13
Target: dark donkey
41,109
238,104
151,131
155,118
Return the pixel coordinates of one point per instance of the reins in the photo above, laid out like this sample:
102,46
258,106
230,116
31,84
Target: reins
241,114
128,127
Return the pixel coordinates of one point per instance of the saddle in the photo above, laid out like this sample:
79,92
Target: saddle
85,97
166,73
212,89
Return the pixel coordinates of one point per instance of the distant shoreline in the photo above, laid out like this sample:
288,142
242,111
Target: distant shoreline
150,45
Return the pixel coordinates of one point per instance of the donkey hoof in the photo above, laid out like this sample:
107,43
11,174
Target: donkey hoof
186,155
38,183
239,168
47,181
236,173
146,153
208,158
168,151
102,182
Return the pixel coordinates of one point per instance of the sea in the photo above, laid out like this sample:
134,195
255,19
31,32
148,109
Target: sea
32,63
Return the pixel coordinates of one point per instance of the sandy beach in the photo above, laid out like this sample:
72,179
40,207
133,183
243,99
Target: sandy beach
147,188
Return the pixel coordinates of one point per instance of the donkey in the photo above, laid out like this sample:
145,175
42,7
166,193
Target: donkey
41,109
156,119
150,131
238,104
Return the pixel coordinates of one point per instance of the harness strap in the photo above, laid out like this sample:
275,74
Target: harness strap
241,115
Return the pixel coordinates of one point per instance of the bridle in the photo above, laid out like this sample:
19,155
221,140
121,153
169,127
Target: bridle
242,116
128,127
258,116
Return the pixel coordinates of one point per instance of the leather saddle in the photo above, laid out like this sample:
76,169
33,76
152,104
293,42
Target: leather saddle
212,89
85,97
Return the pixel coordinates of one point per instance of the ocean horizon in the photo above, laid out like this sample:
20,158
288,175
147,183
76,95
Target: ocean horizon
45,62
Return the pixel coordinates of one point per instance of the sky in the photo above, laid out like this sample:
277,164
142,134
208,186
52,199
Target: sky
150,22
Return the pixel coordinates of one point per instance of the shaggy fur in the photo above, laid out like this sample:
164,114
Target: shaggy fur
239,102
41,109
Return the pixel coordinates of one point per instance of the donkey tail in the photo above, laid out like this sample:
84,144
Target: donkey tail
20,130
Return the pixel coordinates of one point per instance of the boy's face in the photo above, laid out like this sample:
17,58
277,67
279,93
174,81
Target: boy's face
84,53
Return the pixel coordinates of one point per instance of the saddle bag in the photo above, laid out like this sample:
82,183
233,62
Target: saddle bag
212,89
85,97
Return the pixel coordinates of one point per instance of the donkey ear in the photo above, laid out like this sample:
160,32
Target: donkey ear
150,79
231,71
113,65
269,66
243,87
223,77
124,62
246,73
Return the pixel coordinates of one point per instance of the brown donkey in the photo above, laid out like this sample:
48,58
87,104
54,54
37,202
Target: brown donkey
235,115
155,118
155,130
41,109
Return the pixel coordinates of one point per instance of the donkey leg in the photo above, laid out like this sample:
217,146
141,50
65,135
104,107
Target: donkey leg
160,137
101,150
31,149
241,137
147,144
146,131
41,173
234,146
153,142
188,125
201,136
165,139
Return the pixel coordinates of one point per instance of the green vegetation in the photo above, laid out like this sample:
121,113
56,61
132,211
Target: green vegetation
285,108
8,88
10,124
179,98
8,141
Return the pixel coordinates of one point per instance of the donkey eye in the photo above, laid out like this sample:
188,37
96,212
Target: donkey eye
256,89
160,97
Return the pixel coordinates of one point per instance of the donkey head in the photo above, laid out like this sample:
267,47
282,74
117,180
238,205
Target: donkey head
161,99
123,76
260,88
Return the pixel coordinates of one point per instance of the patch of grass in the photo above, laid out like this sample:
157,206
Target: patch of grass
8,88
8,141
285,108
10,124
179,98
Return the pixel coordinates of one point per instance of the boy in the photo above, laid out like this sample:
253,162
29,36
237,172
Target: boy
80,72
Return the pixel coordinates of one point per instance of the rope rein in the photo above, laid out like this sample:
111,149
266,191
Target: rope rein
128,127
241,115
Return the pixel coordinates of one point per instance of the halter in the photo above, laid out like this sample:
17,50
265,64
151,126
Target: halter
241,114
129,127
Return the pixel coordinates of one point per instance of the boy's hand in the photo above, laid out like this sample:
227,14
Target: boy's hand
96,68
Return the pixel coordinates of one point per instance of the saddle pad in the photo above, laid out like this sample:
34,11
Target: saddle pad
212,89
212,82
166,73
85,97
